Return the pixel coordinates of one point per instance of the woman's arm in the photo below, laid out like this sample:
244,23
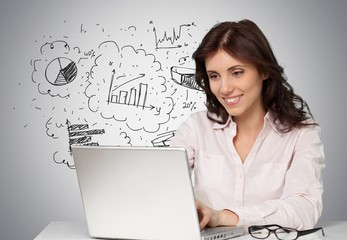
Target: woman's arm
300,205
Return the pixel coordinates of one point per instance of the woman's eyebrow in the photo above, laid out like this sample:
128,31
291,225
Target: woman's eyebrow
236,66
230,68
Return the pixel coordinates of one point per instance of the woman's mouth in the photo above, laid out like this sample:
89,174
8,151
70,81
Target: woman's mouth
232,100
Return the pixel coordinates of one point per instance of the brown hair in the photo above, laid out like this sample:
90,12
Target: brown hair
245,41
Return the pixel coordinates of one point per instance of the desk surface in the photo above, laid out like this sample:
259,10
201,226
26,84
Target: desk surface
78,231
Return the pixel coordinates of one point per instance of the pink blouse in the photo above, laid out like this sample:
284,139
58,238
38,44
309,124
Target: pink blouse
279,182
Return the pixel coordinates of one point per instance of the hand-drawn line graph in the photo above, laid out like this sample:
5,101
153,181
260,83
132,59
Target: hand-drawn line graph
170,41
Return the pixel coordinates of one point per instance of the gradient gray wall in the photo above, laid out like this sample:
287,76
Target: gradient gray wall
308,37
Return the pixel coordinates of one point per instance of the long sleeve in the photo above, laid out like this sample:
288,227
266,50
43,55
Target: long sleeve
300,204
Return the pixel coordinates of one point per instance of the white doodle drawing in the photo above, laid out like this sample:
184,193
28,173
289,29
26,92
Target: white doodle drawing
109,94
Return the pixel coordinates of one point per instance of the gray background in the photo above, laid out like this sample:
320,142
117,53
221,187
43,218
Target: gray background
308,37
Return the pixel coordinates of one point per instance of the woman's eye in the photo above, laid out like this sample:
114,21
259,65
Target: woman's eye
212,76
238,73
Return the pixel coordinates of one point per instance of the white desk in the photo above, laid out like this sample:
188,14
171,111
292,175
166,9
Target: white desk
78,231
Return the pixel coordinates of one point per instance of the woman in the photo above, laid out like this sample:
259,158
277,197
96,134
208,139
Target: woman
256,152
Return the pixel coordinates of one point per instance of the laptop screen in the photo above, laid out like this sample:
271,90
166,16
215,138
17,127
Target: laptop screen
136,192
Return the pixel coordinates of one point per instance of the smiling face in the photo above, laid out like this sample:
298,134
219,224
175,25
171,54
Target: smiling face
236,85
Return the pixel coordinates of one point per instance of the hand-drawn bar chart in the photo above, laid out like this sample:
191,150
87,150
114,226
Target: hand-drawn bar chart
135,96
81,134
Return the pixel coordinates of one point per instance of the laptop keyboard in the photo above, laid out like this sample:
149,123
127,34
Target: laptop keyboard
217,233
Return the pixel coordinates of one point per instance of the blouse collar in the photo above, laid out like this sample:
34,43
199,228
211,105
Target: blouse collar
268,121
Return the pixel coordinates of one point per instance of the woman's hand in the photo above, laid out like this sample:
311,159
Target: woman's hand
207,216
213,218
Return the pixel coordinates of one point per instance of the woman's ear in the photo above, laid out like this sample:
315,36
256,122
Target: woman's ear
264,76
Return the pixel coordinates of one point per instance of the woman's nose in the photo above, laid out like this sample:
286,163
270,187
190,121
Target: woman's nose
226,86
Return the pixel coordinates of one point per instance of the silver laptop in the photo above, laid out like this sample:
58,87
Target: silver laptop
140,193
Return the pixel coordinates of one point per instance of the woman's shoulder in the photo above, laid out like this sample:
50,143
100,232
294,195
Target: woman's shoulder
196,117
308,125
207,119
202,114
190,129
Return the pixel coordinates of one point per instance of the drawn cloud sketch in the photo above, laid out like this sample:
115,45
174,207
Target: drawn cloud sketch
126,85
115,92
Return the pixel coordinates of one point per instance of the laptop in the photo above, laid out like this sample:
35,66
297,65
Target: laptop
140,193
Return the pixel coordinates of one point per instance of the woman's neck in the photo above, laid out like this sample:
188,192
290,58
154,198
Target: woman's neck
248,129
250,124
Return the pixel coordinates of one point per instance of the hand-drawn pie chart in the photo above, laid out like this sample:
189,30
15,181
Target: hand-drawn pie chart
61,71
